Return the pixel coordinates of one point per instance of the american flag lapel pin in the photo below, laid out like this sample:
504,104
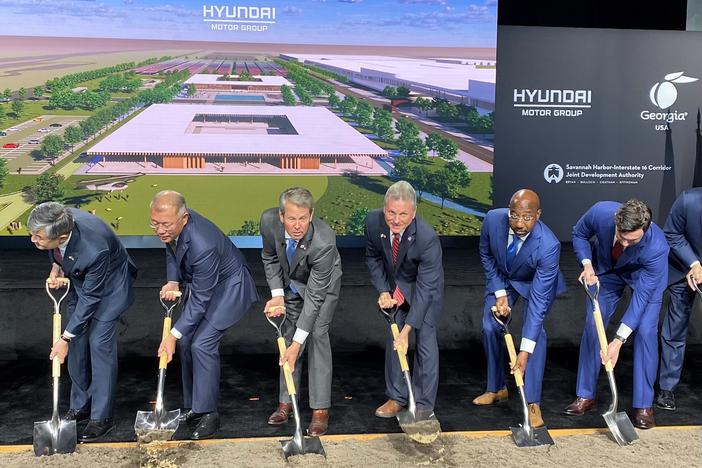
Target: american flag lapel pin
70,257
383,236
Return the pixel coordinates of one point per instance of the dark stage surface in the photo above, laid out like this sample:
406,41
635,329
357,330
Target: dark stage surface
249,394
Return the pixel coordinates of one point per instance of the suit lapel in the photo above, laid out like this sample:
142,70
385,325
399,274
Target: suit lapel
606,249
502,239
71,253
385,240
302,248
183,243
408,238
280,246
531,242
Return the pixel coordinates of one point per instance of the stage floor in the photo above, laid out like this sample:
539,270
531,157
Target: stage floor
249,395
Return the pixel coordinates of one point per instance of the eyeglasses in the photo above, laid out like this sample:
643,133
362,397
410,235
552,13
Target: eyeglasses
525,218
166,226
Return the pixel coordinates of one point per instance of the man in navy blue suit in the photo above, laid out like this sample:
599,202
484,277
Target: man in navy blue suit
219,290
403,255
84,249
683,230
619,246
520,256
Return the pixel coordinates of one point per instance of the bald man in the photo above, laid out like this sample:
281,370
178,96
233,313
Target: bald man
520,256
218,290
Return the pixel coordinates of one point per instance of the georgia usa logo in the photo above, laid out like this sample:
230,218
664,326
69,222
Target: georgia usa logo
663,95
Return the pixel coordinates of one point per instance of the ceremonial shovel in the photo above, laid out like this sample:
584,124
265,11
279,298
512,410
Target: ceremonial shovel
56,435
695,286
523,435
298,445
159,424
618,422
425,428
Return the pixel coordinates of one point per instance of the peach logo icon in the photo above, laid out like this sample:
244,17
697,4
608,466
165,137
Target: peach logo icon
665,94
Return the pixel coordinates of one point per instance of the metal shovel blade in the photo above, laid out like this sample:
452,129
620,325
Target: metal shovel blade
302,446
532,437
55,436
149,427
419,427
620,427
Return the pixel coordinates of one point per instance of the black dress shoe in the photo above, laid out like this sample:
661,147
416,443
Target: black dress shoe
191,417
97,428
666,400
206,428
77,415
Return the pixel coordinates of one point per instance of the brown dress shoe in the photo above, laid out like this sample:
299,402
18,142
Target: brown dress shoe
580,406
490,398
319,423
389,409
535,419
643,419
281,414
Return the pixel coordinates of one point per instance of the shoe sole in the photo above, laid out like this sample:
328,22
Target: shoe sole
579,414
93,439
495,402
666,408
270,423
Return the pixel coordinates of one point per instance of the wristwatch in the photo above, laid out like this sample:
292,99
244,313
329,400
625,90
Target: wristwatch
66,339
620,338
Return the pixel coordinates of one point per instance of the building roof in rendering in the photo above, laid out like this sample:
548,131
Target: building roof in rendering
165,129
204,78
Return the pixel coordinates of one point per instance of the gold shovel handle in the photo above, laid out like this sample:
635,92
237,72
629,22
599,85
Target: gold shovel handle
55,363
601,334
289,382
163,360
518,378
400,354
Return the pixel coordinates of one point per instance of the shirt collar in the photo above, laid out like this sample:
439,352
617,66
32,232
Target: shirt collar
522,238
401,233
62,247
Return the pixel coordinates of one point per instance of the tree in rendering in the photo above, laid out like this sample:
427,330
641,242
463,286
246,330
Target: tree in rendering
22,93
52,146
48,187
448,182
432,141
72,135
357,222
17,108
38,92
447,149
4,172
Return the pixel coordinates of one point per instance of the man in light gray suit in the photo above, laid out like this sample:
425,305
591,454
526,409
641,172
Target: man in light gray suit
303,270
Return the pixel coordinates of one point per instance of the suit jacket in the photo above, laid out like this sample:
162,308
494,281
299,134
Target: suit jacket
219,286
315,268
535,272
683,231
100,271
418,272
643,266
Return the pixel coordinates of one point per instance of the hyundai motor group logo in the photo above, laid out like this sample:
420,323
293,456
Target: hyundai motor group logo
665,94
553,173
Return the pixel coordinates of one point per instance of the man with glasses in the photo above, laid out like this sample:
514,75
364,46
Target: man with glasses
619,246
85,250
218,290
520,256
403,255
303,270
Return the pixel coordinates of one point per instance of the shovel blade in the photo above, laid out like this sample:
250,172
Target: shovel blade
307,445
149,427
422,428
50,438
538,436
620,427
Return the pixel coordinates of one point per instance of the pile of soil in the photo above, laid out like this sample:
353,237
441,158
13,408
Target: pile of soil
657,447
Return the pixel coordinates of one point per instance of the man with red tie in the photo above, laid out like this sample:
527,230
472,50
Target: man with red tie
619,246
403,255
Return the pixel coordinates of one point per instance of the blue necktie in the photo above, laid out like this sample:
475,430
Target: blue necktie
290,253
512,250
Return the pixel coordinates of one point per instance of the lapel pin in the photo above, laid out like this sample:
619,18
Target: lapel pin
70,257
409,239
383,236
303,246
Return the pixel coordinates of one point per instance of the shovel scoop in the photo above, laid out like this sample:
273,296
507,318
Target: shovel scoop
299,444
421,426
55,435
159,424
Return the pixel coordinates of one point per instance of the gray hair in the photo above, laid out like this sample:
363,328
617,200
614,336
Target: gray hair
401,190
166,199
298,196
51,217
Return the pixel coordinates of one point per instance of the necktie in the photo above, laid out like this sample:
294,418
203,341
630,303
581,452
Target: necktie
58,258
617,251
173,245
396,294
512,250
290,253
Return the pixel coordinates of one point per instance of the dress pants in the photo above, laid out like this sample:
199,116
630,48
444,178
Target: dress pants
674,334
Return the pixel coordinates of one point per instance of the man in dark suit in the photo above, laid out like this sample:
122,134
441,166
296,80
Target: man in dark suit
520,256
618,245
84,249
218,291
303,270
403,255
683,231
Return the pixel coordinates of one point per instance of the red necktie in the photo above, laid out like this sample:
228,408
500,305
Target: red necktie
396,294
617,251
58,258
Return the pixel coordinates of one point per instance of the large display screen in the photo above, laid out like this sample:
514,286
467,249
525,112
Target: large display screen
597,114
105,103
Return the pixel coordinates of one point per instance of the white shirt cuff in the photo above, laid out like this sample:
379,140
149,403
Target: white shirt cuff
277,292
300,336
68,335
586,261
624,331
696,262
527,345
500,293
176,333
